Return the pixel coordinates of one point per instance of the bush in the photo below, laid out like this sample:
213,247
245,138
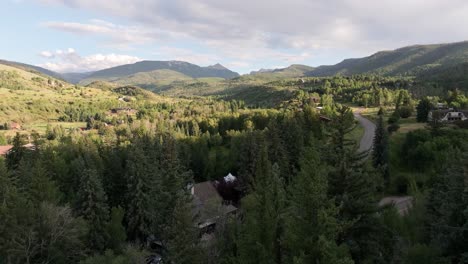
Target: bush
421,253
394,118
393,128
405,111
400,185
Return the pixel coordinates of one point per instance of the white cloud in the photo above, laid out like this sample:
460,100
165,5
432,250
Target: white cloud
173,53
70,61
250,31
295,23
46,54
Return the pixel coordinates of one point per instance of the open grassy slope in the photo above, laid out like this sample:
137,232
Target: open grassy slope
181,67
411,60
34,100
28,97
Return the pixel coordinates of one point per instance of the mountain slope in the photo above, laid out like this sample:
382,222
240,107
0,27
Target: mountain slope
412,60
75,77
293,71
31,68
185,68
149,80
33,99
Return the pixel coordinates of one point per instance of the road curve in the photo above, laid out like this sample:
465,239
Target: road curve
369,130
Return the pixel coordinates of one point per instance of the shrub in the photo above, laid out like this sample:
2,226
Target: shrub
394,118
393,128
405,111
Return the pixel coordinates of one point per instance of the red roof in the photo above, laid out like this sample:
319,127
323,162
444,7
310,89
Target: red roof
4,149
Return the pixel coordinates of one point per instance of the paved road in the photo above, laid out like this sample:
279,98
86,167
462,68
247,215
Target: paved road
369,130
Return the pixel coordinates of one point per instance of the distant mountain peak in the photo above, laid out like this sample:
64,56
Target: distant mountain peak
217,66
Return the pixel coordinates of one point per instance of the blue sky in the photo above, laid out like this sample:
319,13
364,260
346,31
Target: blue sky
243,35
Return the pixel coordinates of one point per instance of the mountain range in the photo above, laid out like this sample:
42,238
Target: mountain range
416,60
411,60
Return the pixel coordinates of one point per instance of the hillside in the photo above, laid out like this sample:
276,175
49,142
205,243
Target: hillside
149,80
75,77
295,70
453,77
181,67
412,60
31,68
33,99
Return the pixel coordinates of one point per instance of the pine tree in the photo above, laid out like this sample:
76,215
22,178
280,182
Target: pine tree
448,210
16,153
115,230
181,234
380,150
173,179
311,225
423,109
92,205
262,228
353,185
41,188
140,194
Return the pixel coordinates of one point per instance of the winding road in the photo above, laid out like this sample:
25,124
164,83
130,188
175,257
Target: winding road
403,204
369,130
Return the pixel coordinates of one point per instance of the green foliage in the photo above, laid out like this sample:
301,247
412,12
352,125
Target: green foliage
115,230
380,150
181,235
421,254
448,203
412,60
311,225
261,231
405,111
130,255
423,109
92,204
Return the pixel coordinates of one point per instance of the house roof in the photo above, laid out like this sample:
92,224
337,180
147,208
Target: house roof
205,191
445,111
208,204
402,204
4,149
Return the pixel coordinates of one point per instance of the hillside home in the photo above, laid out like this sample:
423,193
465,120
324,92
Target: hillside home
448,115
4,150
15,126
209,207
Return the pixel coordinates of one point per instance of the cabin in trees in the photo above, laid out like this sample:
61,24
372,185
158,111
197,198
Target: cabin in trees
209,207
448,115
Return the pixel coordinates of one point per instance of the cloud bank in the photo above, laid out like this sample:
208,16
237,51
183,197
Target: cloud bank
70,61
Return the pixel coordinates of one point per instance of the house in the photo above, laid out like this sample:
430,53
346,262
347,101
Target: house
448,115
4,150
15,126
441,106
209,206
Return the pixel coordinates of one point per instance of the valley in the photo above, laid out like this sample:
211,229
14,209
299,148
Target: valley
168,160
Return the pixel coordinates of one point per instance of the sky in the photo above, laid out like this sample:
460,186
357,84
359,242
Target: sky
243,35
